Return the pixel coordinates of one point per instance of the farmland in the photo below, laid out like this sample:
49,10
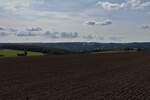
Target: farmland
13,53
113,76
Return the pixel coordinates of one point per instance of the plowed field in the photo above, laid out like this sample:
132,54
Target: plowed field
117,76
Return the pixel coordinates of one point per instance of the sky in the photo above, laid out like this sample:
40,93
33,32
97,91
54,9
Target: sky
74,21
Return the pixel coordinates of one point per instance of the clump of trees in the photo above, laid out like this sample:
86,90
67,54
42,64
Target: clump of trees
25,53
1,55
136,49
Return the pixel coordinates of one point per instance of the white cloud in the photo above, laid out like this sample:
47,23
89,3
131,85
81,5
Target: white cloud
110,6
25,9
34,29
138,4
129,4
144,5
134,3
15,5
102,23
106,22
145,26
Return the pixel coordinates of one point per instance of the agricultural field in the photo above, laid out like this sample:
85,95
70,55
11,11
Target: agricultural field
116,76
13,53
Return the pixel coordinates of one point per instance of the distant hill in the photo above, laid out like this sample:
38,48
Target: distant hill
73,46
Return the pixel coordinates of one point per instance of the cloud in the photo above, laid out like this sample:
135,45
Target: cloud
15,5
2,29
101,38
110,6
52,34
128,4
138,4
35,29
69,35
118,39
8,29
145,26
93,37
25,34
92,23
89,37
56,35
3,34
103,23
12,30
106,22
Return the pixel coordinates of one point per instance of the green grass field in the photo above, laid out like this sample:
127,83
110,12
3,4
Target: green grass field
13,53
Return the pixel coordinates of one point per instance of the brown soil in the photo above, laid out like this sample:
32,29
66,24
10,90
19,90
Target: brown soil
122,76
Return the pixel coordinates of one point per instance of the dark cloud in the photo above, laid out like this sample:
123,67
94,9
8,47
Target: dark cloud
3,34
1,28
34,29
101,38
8,29
61,34
69,35
89,37
24,33
92,23
52,34
145,26
12,30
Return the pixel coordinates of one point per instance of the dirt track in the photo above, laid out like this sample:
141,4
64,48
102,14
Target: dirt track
124,76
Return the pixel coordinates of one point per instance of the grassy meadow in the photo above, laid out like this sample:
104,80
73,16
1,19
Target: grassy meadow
13,53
